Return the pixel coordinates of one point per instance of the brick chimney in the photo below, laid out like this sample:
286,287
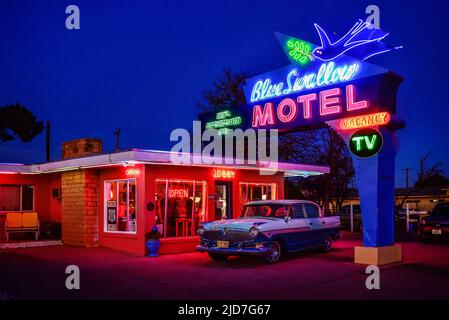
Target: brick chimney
81,147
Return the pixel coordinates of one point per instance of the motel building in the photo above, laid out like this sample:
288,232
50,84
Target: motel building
113,199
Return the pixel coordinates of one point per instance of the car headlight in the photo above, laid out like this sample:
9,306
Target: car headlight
200,230
253,232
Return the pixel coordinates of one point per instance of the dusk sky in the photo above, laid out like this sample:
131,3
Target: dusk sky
142,65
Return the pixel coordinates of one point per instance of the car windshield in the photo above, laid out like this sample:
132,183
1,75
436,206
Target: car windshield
441,210
265,210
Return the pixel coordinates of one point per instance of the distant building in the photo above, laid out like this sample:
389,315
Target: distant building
422,200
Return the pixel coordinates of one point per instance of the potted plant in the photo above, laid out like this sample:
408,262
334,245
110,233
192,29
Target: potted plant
152,242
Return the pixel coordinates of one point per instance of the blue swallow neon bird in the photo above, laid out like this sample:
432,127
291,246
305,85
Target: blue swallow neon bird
360,42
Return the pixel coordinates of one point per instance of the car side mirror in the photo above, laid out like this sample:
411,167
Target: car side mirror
288,218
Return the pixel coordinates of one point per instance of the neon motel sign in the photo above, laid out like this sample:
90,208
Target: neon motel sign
328,101
324,83
327,74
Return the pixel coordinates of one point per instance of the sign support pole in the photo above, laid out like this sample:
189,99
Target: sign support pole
375,181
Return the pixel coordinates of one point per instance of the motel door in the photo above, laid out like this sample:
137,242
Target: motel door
223,200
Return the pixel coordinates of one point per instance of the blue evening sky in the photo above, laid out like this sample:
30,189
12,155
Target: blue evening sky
142,65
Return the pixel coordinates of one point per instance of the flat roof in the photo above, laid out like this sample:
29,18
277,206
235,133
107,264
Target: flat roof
137,156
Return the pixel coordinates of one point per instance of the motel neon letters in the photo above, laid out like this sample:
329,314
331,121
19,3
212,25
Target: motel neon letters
329,102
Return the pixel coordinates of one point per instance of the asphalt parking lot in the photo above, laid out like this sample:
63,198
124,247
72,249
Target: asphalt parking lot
39,273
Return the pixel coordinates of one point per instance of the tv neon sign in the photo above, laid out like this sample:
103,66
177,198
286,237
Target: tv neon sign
287,110
367,120
223,174
328,73
366,142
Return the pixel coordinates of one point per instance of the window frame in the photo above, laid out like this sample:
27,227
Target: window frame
105,208
21,197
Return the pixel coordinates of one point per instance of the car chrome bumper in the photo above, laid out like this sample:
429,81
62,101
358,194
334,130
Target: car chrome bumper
235,251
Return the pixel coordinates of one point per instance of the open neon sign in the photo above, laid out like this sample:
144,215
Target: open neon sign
287,110
178,193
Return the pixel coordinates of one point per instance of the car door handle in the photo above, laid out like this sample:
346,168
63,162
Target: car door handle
323,222
310,223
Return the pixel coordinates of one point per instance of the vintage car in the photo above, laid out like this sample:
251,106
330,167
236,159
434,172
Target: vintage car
270,229
436,225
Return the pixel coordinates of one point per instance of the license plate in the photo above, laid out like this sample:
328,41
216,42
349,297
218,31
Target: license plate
436,231
222,244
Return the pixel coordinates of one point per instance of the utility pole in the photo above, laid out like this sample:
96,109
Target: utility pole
406,170
117,139
48,141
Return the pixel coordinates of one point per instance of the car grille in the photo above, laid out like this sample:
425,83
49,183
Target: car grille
229,235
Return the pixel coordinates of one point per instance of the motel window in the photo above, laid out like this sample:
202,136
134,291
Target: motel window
120,206
16,198
256,191
180,206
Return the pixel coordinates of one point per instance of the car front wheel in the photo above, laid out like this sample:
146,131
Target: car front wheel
275,252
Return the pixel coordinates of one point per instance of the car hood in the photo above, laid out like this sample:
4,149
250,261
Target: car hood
236,224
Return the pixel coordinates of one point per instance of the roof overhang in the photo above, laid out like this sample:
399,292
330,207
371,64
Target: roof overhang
138,156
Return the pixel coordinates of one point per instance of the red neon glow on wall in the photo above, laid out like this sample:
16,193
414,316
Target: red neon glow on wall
330,101
290,105
351,104
307,104
223,174
262,118
132,172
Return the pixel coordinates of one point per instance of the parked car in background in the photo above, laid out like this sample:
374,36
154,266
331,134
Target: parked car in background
270,229
345,217
436,225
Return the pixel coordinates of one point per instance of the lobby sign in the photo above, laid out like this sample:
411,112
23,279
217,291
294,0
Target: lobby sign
323,83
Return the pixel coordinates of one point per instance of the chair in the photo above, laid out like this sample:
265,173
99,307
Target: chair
22,222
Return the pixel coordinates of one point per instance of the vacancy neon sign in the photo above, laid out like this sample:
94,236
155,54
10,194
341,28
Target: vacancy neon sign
367,120
328,102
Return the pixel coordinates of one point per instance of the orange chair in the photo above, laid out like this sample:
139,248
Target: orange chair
22,222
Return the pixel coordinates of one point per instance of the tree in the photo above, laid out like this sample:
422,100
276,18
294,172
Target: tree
226,91
18,122
430,176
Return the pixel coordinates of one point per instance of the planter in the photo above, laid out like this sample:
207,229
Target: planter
153,247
